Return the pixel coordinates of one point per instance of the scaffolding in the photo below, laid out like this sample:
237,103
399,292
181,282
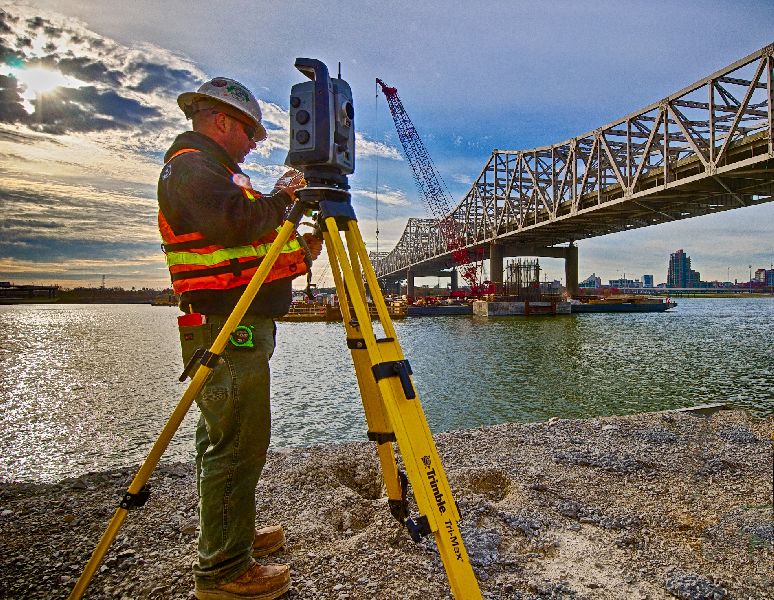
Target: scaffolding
523,280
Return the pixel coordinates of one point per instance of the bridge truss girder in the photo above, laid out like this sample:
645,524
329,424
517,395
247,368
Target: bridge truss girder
705,149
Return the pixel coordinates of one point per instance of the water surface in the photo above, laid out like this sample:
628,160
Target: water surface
89,387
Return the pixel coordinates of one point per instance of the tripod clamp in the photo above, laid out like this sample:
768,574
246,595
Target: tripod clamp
138,500
204,356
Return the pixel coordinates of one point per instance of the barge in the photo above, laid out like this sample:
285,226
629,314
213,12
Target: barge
310,312
621,304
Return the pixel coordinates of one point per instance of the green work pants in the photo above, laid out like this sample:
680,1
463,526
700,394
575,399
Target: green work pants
232,438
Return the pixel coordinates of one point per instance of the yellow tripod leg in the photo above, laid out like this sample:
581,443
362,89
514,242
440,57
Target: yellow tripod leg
387,367
136,493
379,429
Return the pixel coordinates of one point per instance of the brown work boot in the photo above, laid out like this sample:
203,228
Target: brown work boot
267,540
259,582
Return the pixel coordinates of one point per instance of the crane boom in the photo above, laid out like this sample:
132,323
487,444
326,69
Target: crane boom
430,184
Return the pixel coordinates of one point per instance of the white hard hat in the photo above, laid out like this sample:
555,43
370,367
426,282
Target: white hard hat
227,92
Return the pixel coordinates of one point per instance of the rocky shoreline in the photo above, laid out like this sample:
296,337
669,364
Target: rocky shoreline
662,505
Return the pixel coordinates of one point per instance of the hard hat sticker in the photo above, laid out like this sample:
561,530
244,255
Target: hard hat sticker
239,92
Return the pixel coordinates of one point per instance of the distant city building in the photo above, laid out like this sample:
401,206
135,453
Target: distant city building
592,281
625,283
550,287
760,275
647,281
680,274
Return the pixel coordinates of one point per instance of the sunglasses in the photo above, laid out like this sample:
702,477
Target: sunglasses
249,130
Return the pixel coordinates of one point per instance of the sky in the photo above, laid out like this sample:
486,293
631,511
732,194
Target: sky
88,107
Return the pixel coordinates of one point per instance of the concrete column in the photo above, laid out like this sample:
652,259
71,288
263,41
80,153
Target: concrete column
410,284
455,284
496,266
571,270
397,287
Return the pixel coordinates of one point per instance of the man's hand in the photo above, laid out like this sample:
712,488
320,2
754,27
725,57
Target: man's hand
314,243
290,182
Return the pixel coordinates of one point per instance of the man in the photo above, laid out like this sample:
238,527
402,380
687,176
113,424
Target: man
216,229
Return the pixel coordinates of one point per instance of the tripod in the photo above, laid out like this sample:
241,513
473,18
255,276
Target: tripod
392,408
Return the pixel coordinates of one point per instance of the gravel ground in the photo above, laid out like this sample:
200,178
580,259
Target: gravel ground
663,505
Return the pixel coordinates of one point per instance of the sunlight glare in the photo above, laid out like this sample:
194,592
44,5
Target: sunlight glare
40,81
37,81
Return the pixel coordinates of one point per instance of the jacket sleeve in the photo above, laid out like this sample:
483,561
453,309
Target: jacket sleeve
202,197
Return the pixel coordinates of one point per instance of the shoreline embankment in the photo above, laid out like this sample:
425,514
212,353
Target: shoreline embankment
661,505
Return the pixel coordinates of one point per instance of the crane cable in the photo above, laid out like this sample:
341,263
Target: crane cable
376,185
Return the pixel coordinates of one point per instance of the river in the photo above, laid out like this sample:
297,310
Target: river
89,387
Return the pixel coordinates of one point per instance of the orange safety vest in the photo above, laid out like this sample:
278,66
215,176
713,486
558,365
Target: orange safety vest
198,264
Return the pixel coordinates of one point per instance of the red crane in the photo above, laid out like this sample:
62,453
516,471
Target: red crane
431,186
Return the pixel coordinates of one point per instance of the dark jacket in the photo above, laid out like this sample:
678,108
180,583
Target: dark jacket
196,194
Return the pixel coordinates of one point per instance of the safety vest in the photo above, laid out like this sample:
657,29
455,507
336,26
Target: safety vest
196,263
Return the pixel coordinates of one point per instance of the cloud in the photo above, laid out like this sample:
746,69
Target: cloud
365,147
109,86
52,231
87,109
88,69
80,162
463,178
155,77
39,213
390,231
387,196
11,105
275,119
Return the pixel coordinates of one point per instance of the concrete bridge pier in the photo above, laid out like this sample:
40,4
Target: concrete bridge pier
455,283
410,283
496,266
571,270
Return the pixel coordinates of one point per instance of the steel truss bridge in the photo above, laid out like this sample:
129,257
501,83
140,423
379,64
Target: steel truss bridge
705,149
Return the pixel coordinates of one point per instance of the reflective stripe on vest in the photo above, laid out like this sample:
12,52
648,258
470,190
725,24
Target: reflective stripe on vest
213,258
196,263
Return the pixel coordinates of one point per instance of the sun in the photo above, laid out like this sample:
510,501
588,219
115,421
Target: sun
35,82
40,81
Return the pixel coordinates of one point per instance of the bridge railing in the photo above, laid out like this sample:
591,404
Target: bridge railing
703,130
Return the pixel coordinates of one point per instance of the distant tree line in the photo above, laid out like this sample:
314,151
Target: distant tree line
116,295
